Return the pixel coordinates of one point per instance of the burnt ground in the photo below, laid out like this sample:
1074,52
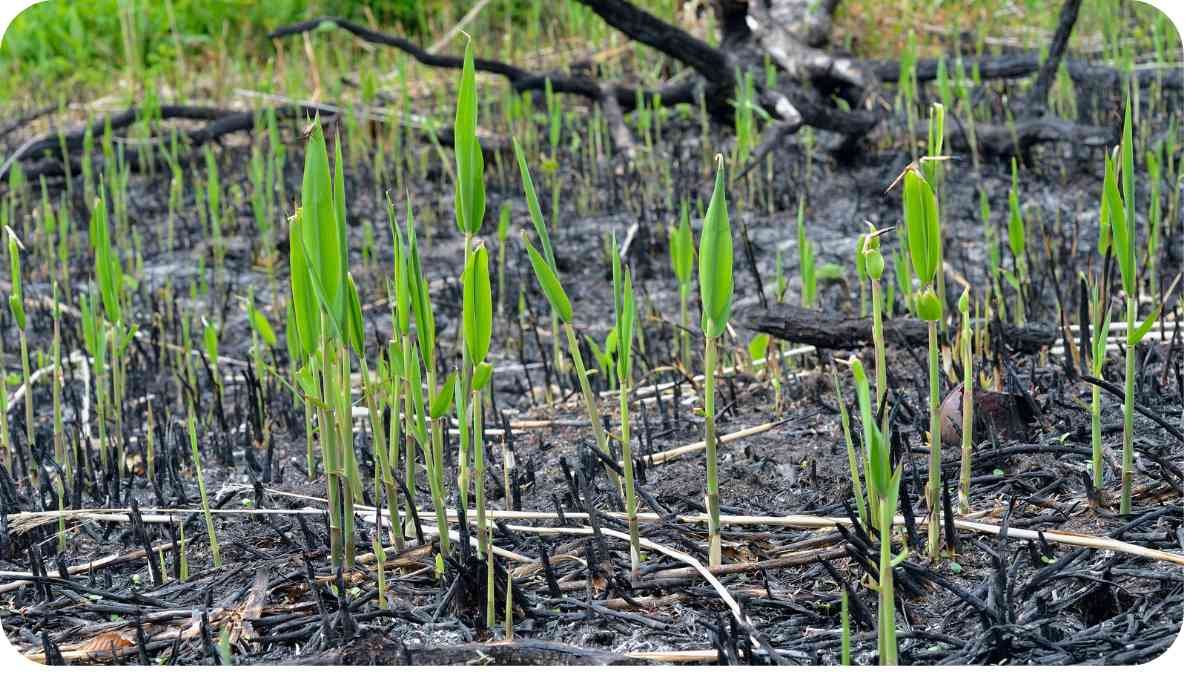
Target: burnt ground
998,599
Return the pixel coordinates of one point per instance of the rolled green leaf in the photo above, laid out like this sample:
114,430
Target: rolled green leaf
354,318
924,231
262,326
416,402
535,208
1016,224
468,154
1121,244
440,405
16,298
683,247
878,462
322,244
481,377
399,267
551,286
477,305
625,330
422,308
716,259
304,306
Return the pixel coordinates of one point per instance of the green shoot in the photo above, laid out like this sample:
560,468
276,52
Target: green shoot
886,485
808,267
683,262
546,270
16,305
626,309
968,403
925,250
1016,244
716,295
213,545
851,453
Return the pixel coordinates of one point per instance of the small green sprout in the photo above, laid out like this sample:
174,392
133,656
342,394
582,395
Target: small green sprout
925,249
683,264
546,270
716,294
968,402
1016,244
213,545
885,483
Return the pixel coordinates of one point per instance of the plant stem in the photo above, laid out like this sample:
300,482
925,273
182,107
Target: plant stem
25,375
710,458
852,455
308,441
630,498
933,489
685,336
1097,445
880,345
887,601
484,532
208,519
589,401
1127,440
968,419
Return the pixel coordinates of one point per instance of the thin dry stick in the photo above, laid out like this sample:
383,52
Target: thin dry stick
114,559
24,520
668,455
462,23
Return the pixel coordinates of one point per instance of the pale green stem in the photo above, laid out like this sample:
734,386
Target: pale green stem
887,601
710,458
29,430
481,519
1097,443
968,419
630,493
589,401
1127,439
933,489
852,455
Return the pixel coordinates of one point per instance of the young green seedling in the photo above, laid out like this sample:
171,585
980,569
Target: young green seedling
213,545
16,305
1016,244
968,403
477,336
545,268
424,352
1100,315
716,295
886,485
626,310
852,456
329,325
469,192
873,267
925,250
808,266
1121,215
683,263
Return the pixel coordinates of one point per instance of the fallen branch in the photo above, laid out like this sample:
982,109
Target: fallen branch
798,521
832,330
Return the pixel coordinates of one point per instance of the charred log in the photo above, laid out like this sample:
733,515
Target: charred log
833,330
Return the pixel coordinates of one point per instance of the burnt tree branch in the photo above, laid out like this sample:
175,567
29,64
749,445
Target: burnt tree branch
833,330
1049,70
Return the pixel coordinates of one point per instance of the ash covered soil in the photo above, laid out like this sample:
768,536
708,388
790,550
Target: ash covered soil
999,598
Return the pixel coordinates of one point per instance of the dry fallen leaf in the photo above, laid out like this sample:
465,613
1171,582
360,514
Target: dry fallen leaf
107,642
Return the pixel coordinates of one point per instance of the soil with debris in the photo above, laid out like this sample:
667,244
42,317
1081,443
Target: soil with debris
998,598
